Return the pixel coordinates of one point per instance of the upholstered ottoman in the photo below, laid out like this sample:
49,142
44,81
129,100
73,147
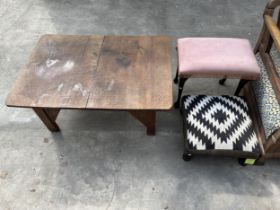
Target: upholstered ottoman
218,125
215,57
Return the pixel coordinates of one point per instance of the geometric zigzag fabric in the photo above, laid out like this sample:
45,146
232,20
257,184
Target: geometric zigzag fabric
218,123
267,103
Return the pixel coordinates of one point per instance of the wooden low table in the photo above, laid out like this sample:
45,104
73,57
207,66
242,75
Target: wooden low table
130,73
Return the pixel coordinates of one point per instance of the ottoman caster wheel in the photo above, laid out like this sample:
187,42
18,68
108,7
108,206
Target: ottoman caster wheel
187,157
241,161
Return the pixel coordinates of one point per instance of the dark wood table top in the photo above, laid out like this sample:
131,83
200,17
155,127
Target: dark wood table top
96,72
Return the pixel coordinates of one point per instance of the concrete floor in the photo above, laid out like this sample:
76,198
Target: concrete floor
104,160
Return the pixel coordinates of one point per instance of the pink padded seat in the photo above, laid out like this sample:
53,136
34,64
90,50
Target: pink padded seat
217,57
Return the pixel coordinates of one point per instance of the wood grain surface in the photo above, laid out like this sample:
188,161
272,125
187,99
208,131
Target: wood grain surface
96,72
133,73
58,73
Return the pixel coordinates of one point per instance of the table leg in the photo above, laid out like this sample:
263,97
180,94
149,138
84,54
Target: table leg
147,118
48,117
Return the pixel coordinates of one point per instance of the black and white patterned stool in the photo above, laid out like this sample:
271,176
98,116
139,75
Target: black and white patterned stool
218,125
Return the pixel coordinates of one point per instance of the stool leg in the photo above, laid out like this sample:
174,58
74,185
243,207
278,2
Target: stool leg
181,87
241,84
176,77
222,81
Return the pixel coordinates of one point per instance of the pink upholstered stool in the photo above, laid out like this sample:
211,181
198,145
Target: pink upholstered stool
215,57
